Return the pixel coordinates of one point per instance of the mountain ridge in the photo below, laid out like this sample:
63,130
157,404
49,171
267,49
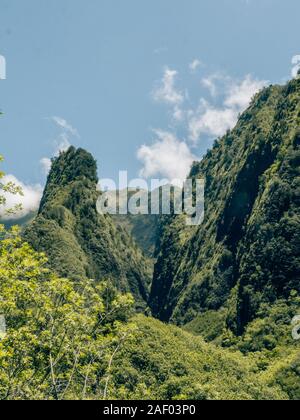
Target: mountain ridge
79,242
207,269
231,284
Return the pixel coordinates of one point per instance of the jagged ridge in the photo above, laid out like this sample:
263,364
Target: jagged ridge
247,251
78,241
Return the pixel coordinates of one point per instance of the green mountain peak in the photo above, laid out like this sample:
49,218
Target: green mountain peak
79,242
246,253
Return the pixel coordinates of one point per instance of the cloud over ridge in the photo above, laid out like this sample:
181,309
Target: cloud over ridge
211,117
30,200
167,156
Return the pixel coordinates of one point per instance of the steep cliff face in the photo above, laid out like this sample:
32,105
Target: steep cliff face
246,253
78,241
143,227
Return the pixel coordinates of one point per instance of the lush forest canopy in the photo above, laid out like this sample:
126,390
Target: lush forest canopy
246,254
78,302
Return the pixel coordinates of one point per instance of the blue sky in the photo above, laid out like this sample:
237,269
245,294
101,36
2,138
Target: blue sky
136,79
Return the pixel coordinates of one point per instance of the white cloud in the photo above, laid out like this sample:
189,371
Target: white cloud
62,143
46,165
194,65
32,194
296,65
167,157
62,123
172,158
240,94
30,201
2,68
166,91
216,83
213,120
178,113
208,82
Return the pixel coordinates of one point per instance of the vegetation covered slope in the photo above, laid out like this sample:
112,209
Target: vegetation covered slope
164,362
138,222
75,339
142,228
57,337
67,341
246,254
80,243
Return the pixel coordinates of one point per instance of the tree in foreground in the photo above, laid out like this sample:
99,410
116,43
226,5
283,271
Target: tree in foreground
61,338
58,339
8,188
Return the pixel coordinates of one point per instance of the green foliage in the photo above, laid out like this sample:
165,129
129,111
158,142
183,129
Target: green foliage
61,339
231,283
8,188
287,377
143,229
249,241
235,279
209,325
80,243
267,341
272,327
164,362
